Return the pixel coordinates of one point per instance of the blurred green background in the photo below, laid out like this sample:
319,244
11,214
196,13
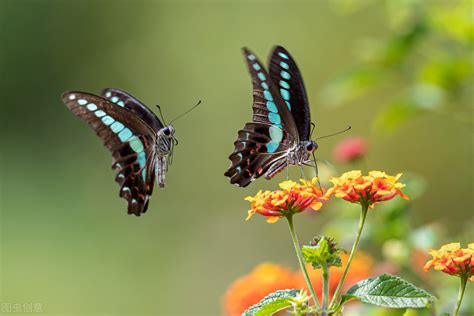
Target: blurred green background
66,240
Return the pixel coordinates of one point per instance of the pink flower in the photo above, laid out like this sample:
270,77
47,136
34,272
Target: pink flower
350,149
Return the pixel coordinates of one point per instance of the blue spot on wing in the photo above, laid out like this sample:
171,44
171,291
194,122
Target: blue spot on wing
284,74
283,55
107,120
274,118
99,113
276,134
284,65
91,107
271,106
267,95
125,134
141,159
116,127
284,84
272,147
285,94
136,145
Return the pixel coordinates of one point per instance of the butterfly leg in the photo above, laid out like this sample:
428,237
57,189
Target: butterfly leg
287,169
303,176
316,169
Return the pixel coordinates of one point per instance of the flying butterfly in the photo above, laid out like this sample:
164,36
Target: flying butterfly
280,131
141,145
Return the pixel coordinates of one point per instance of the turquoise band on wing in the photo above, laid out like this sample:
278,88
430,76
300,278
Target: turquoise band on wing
123,133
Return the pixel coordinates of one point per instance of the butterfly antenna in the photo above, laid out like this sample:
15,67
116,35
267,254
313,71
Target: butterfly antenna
340,132
161,114
313,126
183,114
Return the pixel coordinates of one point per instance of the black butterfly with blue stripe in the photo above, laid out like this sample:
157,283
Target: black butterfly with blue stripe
140,143
279,134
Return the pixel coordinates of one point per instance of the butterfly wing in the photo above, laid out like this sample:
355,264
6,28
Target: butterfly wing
285,74
126,100
261,147
251,158
268,107
129,139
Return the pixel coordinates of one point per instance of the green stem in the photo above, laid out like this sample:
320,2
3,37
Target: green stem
299,254
462,288
362,218
325,270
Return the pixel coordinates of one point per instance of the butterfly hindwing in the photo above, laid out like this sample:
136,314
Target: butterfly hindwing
285,74
124,99
129,139
258,147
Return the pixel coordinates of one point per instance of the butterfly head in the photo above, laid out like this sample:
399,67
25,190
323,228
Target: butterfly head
311,146
168,131
166,141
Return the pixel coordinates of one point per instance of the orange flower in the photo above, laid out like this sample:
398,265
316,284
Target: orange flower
453,260
248,290
361,268
292,198
369,190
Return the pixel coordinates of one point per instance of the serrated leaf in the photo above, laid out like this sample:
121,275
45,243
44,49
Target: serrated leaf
389,291
272,303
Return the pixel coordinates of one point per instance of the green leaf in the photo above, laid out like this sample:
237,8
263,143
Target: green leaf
388,291
272,303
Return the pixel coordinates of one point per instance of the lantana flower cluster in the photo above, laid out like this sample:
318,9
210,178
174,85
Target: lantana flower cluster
453,260
368,190
292,198
352,186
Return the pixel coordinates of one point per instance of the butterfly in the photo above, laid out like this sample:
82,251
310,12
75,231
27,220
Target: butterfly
279,134
141,145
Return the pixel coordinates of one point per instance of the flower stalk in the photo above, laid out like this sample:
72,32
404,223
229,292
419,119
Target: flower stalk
462,289
301,262
325,299
363,216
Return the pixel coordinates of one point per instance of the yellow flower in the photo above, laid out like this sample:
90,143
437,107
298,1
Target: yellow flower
453,260
292,198
352,186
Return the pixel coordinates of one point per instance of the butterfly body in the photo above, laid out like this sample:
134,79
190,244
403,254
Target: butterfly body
301,153
279,134
141,145
164,146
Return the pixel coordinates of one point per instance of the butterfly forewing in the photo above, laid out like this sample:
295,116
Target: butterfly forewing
268,106
129,139
124,99
285,74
